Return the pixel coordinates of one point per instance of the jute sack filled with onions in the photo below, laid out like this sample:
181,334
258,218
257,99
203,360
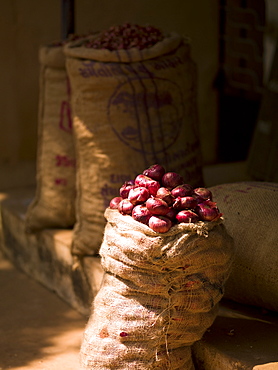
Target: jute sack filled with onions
134,105
159,293
53,204
251,218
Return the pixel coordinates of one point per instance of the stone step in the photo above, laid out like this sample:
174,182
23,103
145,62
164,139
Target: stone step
45,256
241,337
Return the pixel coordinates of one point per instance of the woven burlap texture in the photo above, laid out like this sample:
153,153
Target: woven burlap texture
129,113
159,294
53,204
251,217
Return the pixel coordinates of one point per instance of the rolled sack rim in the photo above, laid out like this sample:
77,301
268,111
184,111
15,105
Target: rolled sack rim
171,42
201,228
52,56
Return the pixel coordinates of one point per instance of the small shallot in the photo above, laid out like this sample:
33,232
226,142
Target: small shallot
171,179
138,195
165,194
125,188
171,214
183,190
184,203
147,182
114,203
125,207
160,224
155,172
207,212
187,216
203,193
157,206
141,214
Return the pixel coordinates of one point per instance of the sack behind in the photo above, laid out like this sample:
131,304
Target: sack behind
131,109
251,218
53,204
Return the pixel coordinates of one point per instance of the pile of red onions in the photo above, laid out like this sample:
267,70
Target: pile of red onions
126,36
161,199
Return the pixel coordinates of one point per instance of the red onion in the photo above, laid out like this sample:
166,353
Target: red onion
187,216
183,190
157,206
171,214
160,200
147,182
203,193
138,195
160,224
207,213
125,207
184,203
210,203
165,194
114,203
155,172
171,179
141,214
125,188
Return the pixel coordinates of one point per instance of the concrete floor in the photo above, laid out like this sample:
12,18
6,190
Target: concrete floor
37,329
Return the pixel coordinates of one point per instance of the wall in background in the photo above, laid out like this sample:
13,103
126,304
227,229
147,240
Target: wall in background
271,35
25,25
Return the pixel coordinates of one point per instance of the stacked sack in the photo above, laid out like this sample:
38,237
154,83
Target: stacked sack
251,218
111,103
53,204
134,104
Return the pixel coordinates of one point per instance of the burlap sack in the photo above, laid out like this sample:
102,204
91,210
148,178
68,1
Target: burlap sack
159,294
53,204
131,109
251,218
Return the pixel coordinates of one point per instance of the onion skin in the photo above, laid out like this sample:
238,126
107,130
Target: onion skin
184,203
203,193
171,179
171,214
114,203
165,194
157,206
155,172
160,224
126,187
207,213
138,195
183,190
147,182
125,207
187,216
141,214
210,203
